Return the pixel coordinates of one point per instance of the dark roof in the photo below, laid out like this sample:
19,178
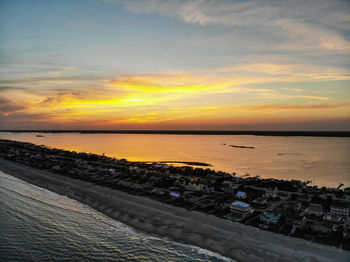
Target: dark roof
259,199
315,207
341,204
292,215
313,217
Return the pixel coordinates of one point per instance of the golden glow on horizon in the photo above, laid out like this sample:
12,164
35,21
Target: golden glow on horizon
210,97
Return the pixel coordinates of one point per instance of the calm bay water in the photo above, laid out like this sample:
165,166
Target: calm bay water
39,225
323,160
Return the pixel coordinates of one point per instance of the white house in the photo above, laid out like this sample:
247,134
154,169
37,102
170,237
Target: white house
240,208
340,209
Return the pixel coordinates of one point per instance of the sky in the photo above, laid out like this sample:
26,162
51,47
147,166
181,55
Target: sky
175,64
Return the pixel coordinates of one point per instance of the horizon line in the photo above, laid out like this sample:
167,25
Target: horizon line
190,132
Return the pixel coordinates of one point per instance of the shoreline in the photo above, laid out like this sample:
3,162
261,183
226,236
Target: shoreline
82,208
230,239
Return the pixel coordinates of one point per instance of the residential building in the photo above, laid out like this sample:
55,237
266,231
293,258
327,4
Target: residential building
293,205
314,209
270,218
333,219
346,229
174,195
271,193
340,209
260,202
206,203
194,187
241,195
294,219
209,189
229,187
240,208
321,228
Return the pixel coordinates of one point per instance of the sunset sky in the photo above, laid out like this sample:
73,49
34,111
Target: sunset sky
177,64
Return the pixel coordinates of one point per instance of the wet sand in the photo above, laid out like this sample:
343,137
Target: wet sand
234,240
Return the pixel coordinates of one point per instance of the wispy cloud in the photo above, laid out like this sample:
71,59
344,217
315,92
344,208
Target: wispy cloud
301,36
301,25
9,107
70,68
49,79
277,108
290,72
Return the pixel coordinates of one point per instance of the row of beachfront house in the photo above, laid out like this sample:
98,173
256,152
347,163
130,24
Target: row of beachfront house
159,179
338,210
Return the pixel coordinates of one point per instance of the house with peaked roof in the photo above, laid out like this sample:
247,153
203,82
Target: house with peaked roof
241,195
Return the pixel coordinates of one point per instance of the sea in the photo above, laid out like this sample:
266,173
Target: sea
39,225
323,161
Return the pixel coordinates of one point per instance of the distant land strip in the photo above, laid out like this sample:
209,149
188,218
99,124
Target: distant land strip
186,163
248,147
196,132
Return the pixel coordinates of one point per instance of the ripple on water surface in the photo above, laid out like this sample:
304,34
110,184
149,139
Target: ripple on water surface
39,225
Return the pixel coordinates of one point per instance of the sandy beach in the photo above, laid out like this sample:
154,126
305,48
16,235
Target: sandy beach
234,240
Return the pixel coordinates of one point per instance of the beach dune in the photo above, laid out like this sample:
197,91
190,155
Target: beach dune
233,240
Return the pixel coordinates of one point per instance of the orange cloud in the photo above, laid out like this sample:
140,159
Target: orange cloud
216,96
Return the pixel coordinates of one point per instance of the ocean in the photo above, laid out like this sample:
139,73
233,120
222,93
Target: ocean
322,160
39,225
